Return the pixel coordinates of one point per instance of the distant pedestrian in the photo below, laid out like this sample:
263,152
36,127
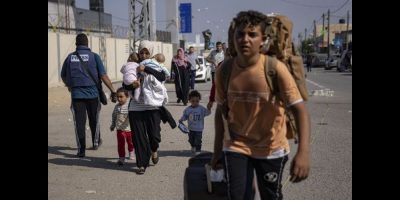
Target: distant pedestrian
180,68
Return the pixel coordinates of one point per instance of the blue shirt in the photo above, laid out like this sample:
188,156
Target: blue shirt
195,117
86,92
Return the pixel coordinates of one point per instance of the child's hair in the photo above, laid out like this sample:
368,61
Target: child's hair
160,57
194,93
133,57
121,89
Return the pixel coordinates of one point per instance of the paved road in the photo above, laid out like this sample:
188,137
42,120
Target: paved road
98,177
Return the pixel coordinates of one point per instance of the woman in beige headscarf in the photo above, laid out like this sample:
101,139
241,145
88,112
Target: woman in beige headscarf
180,68
145,119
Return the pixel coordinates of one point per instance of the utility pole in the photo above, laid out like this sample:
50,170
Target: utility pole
323,30
143,23
300,43
329,44
67,23
347,30
305,34
315,34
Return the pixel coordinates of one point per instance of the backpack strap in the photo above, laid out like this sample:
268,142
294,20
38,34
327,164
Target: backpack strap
271,75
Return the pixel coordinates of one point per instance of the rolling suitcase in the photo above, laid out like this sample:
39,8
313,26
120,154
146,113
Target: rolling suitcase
195,181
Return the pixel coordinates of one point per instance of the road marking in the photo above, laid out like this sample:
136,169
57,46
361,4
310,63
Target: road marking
314,83
324,91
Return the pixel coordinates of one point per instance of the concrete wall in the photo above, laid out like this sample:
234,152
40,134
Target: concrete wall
117,52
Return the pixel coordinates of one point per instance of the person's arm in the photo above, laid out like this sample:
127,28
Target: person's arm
207,111
160,76
197,61
300,166
209,57
218,139
64,71
114,119
184,116
218,121
104,77
211,100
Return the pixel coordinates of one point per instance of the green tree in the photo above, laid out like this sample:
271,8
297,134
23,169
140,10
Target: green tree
307,46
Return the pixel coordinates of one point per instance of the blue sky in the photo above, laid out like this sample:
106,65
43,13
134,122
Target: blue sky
216,14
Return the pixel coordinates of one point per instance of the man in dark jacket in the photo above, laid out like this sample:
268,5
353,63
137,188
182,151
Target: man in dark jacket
84,92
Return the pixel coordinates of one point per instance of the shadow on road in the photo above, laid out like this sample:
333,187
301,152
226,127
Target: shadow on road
177,153
95,162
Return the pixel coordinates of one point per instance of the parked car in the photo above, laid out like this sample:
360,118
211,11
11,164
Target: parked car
318,59
203,71
332,62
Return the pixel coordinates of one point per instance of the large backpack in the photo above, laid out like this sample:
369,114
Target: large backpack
277,46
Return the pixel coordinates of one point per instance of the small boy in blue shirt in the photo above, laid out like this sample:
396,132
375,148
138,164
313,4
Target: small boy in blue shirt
195,114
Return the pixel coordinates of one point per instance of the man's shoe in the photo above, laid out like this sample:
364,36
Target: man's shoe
81,154
178,101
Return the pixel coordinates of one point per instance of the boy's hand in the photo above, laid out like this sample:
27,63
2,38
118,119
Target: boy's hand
300,167
214,163
113,97
210,105
140,68
112,128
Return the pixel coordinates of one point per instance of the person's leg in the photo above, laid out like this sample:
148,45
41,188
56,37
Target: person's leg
212,76
153,132
191,138
178,87
140,140
198,140
153,121
185,86
192,79
128,138
240,175
121,143
269,176
93,107
78,109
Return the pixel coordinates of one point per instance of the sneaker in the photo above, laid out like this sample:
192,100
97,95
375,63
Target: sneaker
131,155
121,161
197,153
81,154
